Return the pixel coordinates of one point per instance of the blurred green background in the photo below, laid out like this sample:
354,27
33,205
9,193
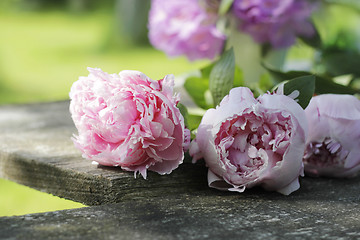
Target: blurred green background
45,45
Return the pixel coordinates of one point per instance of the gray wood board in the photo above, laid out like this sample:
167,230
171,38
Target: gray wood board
36,150
311,213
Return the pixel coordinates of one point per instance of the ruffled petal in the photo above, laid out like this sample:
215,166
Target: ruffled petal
128,120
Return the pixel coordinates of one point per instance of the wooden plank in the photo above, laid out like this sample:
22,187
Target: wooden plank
307,214
36,150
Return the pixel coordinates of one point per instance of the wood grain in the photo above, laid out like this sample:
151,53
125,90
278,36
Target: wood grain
36,150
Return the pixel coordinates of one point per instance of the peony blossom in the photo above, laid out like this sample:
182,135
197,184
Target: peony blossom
249,142
183,27
275,22
333,145
128,120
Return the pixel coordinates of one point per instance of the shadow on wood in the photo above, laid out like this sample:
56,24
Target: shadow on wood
36,150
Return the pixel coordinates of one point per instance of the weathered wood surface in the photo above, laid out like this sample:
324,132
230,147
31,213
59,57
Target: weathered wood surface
36,150
207,215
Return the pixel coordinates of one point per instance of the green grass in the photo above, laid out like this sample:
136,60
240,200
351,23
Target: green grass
42,54
16,199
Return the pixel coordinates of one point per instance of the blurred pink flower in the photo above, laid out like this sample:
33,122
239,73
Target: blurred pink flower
275,22
183,27
128,120
249,142
333,145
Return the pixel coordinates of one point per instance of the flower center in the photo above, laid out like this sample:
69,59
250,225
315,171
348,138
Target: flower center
253,141
326,153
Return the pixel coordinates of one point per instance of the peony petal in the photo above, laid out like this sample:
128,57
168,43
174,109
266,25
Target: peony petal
353,159
166,167
292,187
241,97
156,129
334,122
194,151
114,115
273,22
172,152
318,126
218,183
284,103
187,139
184,27
167,125
231,140
338,106
167,85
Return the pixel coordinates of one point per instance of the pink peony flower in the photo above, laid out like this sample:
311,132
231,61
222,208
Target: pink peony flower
249,142
128,120
275,22
183,27
333,145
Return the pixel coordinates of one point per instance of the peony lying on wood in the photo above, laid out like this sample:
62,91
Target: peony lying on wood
128,120
249,142
333,146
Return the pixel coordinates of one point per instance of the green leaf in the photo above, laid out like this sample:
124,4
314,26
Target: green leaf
196,88
194,121
222,76
184,113
304,85
205,72
265,49
280,76
191,121
225,6
265,82
341,62
326,85
238,77
323,84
